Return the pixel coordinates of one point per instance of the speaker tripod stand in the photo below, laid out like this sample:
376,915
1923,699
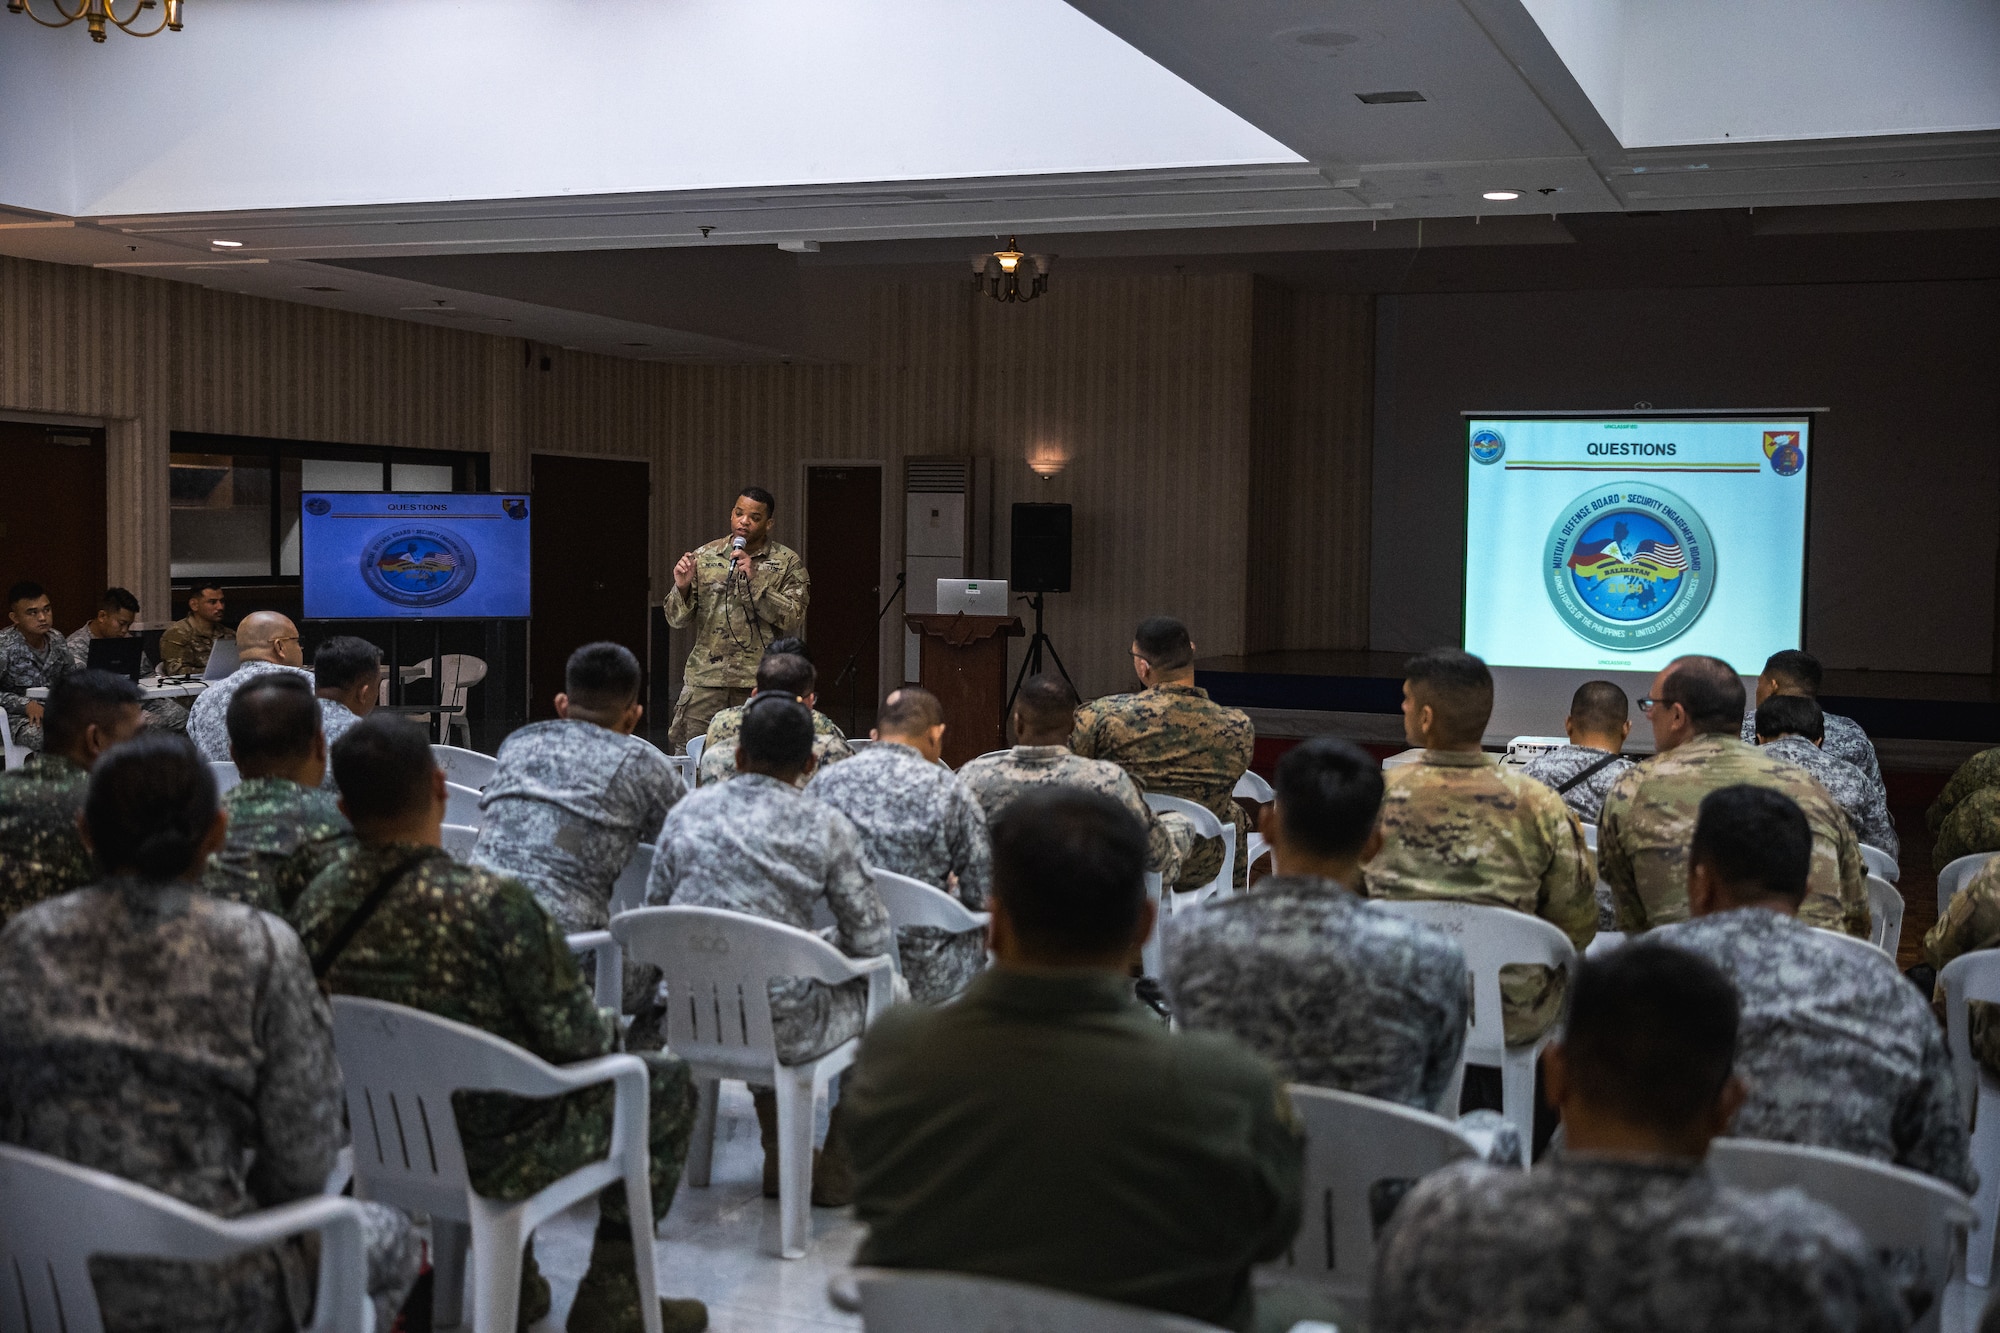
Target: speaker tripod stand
1031,663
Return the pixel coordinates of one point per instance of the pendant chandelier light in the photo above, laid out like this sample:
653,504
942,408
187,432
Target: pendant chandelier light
1000,274
96,13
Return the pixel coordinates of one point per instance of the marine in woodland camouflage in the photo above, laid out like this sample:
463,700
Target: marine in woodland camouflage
718,755
1965,818
281,835
41,853
996,781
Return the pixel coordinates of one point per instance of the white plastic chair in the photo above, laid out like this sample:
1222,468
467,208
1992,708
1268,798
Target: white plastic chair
1495,937
1957,875
1885,915
1864,948
15,753
459,840
1255,848
226,776
1351,1143
1603,942
1206,825
911,902
468,768
1590,836
695,745
1252,787
859,743
461,805
1894,1209
717,967
58,1215
400,1067
457,674
1151,955
1881,863
911,1301
628,893
1966,978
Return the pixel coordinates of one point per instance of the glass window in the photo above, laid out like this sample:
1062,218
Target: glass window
316,474
219,522
433,477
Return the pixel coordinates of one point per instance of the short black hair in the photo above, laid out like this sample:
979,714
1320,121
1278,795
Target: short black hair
762,497
789,644
1328,793
1046,702
909,709
777,733
1070,866
1791,715
117,599
1756,840
383,765
786,673
1458,688
1709,689
150,804
602,677
27,590
81,700
1599,705
273,717
194,590
1796,668
344,661
1651,1034
1164,643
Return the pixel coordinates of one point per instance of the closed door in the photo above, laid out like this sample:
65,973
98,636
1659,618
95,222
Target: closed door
844,553
52,525
590,552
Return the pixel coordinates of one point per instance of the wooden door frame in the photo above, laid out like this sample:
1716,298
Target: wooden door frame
651,498
889,633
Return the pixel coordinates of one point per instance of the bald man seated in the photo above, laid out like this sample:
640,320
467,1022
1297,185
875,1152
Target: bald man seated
266,642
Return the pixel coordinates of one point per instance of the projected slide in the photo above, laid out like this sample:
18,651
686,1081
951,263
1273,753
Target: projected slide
1600,542
392,556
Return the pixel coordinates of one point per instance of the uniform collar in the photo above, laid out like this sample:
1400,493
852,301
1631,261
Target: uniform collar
1180,687
1710,742
1460,759
1039,754
1051,994
45,767
1304,886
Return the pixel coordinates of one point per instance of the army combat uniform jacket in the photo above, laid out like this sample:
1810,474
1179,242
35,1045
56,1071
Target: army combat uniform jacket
281,835
186,644
1971,921
1965,818
735,619
996,781
41,853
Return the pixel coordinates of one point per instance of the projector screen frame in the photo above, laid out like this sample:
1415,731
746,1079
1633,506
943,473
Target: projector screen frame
410,619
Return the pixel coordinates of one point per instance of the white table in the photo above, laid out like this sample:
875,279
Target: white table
150,686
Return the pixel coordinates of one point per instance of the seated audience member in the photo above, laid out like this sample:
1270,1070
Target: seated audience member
266,642
116,610
1047,1128
186,644
784,669
917,819
347,677
283,828
1648,821
177,1040
1458,826
1836,1048
41,850
1044,720
1174,740
1971,922
1334,991
1798,673
474,946
1965,817
32,654
1624,1229
757,844
1790,726
1583,771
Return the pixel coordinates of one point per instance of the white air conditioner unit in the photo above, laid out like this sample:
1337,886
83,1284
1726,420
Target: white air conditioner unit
947,532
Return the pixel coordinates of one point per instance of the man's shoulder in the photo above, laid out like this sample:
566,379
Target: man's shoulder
782,554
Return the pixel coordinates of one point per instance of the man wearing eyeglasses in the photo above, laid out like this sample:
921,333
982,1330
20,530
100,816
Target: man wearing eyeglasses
265,642
1695,707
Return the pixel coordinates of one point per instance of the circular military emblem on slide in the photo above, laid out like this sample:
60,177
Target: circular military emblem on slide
1629,566
418,566
1488,446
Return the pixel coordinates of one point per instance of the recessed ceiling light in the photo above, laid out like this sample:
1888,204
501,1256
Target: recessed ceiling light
1401,95
228,245
1501,196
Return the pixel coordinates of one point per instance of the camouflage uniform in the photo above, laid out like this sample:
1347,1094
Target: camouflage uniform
1838,1051
1965,818
186,644
915,818
1621,1245
281,835
1458,826
1843,738
1865,804
178,1041
1559,766
1971,921
336,719
1174,741
22,668
718,755
998,780
1642,841
41,853
165,714
734,621
757,846
208,720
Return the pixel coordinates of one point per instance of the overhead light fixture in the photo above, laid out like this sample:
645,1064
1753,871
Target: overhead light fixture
96,13
999,274
227,245
1400,95
1501,196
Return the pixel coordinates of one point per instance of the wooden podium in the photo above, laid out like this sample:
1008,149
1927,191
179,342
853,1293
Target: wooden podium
965,666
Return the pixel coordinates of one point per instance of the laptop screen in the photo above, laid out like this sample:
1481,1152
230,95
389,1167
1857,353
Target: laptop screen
118,656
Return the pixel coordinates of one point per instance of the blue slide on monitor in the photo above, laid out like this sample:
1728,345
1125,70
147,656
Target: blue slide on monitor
1608,543
373,555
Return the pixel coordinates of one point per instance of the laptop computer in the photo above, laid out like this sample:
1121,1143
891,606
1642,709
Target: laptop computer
972,597
223,660
120,657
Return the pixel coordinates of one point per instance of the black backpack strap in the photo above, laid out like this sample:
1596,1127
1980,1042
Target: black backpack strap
324,960
1562,788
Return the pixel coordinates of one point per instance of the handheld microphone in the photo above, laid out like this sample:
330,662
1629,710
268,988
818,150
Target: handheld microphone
736,544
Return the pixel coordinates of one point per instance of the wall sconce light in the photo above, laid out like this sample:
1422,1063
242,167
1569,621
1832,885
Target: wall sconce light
1047,458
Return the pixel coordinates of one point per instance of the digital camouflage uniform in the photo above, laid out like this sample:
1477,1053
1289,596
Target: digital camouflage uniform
1971,921
177,1041
1174,741
734,621
917,819
1457,826
22,668
1842,738
998,780
186,644
718,754
1559,766
758,846
1836,1048
41,853
1642,840
336,719
1621,1246
281,835
208,720
1865,804
1965,818
166,714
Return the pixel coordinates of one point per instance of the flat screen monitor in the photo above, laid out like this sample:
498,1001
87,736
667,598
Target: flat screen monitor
376,555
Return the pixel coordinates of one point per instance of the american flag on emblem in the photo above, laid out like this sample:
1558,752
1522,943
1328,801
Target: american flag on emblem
1668,555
